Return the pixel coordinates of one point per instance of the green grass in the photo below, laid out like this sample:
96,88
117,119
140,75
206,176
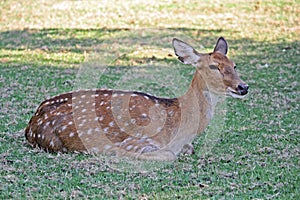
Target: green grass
50,47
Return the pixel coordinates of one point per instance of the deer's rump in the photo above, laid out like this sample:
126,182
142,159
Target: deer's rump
104,121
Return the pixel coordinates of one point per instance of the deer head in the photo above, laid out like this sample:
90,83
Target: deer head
216,69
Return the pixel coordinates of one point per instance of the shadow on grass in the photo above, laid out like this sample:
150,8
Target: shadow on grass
262,62
77,40
108,41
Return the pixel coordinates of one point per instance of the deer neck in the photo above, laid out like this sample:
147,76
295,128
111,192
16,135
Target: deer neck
196,107
198,103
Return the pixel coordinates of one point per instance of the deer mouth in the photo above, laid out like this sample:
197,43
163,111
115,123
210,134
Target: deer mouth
236,94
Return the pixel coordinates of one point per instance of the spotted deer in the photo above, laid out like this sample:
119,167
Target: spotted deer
136,124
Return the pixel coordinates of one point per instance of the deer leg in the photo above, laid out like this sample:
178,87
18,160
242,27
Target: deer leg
188,149
160,155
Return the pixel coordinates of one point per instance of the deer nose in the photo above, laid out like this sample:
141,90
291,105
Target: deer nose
243,88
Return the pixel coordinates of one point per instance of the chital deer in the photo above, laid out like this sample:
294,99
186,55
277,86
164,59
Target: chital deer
136,124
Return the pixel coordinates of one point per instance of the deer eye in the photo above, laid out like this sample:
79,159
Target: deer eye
234,67
213,67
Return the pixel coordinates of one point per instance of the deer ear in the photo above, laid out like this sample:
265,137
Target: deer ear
221,46
186,54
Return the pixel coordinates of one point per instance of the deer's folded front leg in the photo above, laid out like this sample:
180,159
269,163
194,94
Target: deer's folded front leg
160,155
188,149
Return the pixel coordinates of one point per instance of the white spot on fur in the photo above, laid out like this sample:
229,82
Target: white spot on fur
133,121
89,132
126,141
58,113
39,122
111,124
132,107
129,147
105,94
102,103
106,129
115,95
52,143
83,110
71,134
146,97
101,118
64,128
149,140
134,95
83,96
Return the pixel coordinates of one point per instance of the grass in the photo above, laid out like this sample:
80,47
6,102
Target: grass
50,47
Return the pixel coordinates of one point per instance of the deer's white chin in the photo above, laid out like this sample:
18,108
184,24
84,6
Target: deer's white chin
233,94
